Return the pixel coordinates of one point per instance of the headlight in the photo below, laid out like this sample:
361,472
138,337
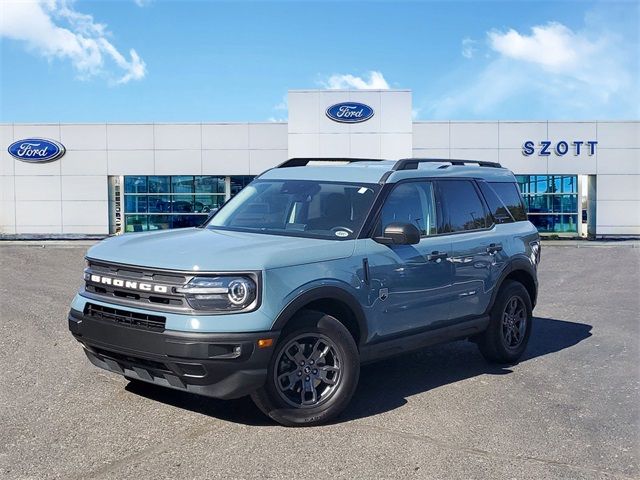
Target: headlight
224,294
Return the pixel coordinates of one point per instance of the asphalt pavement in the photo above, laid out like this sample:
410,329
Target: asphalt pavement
569,410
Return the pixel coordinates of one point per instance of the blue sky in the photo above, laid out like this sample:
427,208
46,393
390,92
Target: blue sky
160,60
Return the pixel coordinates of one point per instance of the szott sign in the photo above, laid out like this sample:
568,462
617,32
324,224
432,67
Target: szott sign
36,150
561,148
350,112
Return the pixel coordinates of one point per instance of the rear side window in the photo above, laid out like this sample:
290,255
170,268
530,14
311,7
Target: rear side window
463,208
510,196
498,209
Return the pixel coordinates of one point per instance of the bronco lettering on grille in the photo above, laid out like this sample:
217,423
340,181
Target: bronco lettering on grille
132,285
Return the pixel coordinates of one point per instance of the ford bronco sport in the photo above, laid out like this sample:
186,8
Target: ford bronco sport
309,272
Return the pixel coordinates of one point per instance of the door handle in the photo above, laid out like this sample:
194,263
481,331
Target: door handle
435,256
494,247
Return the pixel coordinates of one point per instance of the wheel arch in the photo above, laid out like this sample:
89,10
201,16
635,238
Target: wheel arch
331,300
522,271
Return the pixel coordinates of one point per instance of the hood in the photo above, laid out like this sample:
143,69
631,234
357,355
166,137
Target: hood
216,250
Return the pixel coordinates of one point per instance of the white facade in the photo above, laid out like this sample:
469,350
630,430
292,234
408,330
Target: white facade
70,195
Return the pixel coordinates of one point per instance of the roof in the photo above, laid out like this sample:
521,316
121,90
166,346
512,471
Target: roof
384,171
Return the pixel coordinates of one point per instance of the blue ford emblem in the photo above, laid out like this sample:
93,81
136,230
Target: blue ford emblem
350,112
36,150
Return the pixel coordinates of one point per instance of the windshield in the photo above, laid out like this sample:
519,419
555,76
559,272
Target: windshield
302,208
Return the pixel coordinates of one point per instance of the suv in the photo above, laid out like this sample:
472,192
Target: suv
311,271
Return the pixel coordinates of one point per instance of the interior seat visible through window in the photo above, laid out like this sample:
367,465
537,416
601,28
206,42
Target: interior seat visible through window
335,211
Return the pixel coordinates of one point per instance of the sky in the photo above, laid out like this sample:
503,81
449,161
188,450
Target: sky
207,61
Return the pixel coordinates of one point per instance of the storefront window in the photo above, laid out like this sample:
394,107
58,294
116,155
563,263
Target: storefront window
209,185
238,182
162,202
158,184
135,184
135,204
552,201
182,184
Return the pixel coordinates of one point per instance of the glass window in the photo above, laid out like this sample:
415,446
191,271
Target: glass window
209,184
182,204
184,221
182,184
463,208
238,182
159,222
159,203
135,204
510,196
135,184
410,202
553,203
136,223
498,209
158,184
565,203
570,184
555,223
206,203
542,185
298,208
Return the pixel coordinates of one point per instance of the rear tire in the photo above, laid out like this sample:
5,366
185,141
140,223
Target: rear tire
506,338
312,374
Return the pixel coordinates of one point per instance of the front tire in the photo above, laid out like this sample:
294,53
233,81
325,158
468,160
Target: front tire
312,374
506,338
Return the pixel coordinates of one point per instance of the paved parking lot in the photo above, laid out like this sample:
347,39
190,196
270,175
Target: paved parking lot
569,410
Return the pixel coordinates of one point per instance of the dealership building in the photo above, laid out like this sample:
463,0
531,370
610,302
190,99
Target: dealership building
577,178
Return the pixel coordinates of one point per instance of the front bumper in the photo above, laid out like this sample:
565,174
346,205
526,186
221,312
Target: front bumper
221,365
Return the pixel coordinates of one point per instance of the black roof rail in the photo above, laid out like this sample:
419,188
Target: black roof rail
302,162
412,163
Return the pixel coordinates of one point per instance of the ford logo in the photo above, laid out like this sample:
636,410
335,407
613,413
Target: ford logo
36,150
349,112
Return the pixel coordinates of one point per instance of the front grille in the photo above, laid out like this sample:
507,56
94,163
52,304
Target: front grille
168,299
124,317
129,361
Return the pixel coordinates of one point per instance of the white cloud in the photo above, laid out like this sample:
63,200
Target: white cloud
142,3
54,29
468,47
283,104
550,72
554,46
375,81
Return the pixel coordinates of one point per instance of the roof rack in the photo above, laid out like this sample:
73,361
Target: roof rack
302,162
412,163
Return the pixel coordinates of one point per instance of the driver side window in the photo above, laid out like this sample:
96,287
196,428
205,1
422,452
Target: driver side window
410,202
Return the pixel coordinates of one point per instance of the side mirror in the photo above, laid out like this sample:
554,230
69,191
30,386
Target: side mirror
399,234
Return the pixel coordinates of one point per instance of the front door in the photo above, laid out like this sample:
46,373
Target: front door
410,284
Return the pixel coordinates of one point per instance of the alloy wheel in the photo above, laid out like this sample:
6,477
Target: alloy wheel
514,322
308,370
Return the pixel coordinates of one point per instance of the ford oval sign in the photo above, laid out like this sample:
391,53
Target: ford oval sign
349,112
36,150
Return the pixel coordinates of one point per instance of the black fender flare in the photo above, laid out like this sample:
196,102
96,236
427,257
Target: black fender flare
320,293
516,264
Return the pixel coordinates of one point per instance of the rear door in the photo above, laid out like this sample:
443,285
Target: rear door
469,227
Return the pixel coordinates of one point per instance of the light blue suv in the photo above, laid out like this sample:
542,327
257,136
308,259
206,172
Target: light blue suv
316,267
